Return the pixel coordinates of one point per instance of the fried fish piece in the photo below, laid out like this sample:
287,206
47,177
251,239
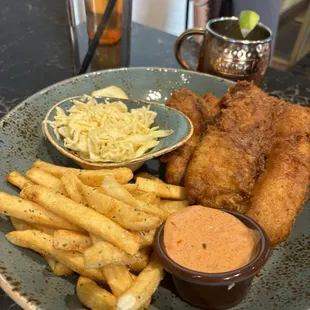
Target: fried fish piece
225,165
214,177
184,101
282,189
209,107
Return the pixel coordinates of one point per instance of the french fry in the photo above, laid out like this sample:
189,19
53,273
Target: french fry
23,225
71,241
156,202
48,230
137,193
95,223
115,190
119,279
147,304
32,212
19,224
130,187
95,239
93,296
154,210
70,182
149,176
123,214
43,178
103,253
136,262
18,180
161,189
137,265
112,188
84,217
148,198
172,206
43,244
58,268
89,177
143,287
146,238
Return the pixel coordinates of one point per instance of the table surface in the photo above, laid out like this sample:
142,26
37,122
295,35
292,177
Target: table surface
35,52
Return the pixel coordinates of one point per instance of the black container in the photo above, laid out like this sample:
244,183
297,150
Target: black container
215,290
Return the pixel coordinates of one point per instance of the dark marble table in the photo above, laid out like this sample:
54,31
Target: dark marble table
35,52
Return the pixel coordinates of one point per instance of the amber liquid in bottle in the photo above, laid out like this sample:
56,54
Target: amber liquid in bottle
113,31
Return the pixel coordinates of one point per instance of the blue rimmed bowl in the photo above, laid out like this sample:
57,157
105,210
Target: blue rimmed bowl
167,118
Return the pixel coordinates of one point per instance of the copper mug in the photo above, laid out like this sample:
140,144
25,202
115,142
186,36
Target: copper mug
225,53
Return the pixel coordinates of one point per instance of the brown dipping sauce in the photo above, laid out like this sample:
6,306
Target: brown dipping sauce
209,240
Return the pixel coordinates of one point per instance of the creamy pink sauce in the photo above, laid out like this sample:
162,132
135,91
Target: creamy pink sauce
208,240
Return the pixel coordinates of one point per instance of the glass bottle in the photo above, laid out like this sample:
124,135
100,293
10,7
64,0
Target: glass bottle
113,51
94,11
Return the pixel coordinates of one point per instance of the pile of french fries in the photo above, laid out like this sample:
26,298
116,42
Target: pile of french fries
94,223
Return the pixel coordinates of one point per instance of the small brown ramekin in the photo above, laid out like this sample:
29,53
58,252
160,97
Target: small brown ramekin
215,290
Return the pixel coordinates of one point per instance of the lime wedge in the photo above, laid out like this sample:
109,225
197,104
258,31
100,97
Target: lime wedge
248,21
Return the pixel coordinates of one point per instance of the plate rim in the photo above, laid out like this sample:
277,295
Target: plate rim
94,73
15,296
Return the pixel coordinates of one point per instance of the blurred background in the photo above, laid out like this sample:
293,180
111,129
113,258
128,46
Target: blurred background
288,19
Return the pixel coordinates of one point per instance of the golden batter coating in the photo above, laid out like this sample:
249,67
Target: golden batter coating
282,189
225,165
186,102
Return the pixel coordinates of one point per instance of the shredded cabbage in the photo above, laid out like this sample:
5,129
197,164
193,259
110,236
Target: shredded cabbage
107,132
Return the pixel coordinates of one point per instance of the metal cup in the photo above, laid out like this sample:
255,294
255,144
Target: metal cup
224,51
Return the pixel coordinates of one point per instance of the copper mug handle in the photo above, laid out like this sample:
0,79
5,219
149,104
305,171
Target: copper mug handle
178,44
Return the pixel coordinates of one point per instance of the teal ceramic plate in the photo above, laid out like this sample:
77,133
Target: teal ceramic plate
166,119
284,282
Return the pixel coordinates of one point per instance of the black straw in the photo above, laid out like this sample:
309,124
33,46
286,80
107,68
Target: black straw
92,47
186,14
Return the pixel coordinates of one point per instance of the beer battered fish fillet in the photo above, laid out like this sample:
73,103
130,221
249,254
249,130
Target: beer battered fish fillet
226,163
214,177
186,102
209,108
282,189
